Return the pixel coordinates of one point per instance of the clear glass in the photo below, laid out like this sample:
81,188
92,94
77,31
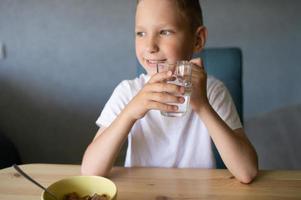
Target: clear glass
181,76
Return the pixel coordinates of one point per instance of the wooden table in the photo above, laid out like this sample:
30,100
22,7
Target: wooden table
159,184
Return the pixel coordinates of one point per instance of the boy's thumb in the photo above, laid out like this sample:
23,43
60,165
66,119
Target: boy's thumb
197,61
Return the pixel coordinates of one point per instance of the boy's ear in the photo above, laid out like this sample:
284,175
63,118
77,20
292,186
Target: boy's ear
200,38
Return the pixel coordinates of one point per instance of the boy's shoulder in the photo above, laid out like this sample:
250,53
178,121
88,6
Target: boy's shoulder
215,86
213,82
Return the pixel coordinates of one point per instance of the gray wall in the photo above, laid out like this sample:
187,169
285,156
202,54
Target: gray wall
64,58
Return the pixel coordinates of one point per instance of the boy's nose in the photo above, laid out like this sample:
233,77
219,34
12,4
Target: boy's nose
152,46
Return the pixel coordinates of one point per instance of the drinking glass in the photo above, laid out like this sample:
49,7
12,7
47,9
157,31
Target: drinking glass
182,77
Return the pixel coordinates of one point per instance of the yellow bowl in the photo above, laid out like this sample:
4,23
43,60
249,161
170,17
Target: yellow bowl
82,185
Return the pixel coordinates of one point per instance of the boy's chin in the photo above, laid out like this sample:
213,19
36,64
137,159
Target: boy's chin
151,72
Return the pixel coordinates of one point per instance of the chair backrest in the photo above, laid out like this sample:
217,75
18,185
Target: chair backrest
226,65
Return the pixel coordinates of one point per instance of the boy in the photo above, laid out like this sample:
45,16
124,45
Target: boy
168,31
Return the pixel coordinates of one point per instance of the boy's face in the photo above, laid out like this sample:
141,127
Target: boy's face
162,35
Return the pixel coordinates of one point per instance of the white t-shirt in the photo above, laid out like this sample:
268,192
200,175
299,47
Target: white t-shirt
159,141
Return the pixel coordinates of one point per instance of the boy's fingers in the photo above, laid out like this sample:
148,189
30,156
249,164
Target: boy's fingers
161,77
166,87
154,105
164,97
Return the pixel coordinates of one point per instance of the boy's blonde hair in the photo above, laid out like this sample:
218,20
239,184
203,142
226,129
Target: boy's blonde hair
191,11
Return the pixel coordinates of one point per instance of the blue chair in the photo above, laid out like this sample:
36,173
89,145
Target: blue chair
226,65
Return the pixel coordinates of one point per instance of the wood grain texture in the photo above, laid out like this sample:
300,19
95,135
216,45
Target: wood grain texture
160,184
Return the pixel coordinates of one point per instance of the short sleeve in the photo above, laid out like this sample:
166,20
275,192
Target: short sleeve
221,101
118,100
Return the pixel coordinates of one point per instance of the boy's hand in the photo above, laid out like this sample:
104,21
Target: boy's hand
155,95
198,99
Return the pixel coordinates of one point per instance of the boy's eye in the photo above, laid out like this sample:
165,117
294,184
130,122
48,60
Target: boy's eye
140,34
166,32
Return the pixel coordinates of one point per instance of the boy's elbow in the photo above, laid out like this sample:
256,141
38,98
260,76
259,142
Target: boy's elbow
248,177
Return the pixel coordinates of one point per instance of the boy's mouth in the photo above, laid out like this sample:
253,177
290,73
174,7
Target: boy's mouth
153,63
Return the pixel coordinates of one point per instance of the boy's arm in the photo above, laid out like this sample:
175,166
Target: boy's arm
234,147
102,152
